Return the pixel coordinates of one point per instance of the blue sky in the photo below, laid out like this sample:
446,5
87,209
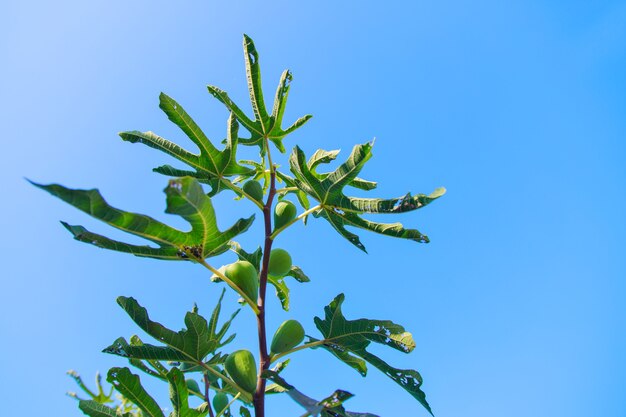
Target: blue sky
517,108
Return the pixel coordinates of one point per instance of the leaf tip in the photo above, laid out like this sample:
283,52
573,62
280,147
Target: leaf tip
32,182
128,136
438,192
72,229
121,300
38,185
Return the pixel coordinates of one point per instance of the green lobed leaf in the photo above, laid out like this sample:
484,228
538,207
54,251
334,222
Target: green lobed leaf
99,397
253,75
129,385
348,341
191,344
264,125
211,165
185,198
341,210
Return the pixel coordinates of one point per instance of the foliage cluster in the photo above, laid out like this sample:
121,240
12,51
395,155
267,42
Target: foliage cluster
195,361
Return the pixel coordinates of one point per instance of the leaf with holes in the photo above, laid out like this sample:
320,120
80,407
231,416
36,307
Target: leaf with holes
348,341
340,210
185,198
264,125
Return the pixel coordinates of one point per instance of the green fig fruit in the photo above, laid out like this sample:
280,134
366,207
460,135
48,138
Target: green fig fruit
244,275
241,367
192,385
254,190
220,402
289,335
284,212
280,262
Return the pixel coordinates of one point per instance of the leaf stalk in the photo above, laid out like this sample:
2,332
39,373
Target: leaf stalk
301,347
221,413
230,284
239,190
301,216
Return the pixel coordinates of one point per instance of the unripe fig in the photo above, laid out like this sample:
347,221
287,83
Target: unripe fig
254,190
289,335
192,385
280,262
220,402
284,212
244,275
241,367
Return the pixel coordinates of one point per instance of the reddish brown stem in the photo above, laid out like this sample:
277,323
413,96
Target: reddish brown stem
207,384
259,394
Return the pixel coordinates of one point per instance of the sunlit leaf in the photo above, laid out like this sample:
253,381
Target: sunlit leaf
211,165
340,210
185,198
179,396
129,385
191,344
99,396
264,125
348,340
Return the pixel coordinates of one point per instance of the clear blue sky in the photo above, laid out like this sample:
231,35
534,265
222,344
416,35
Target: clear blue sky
518,108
